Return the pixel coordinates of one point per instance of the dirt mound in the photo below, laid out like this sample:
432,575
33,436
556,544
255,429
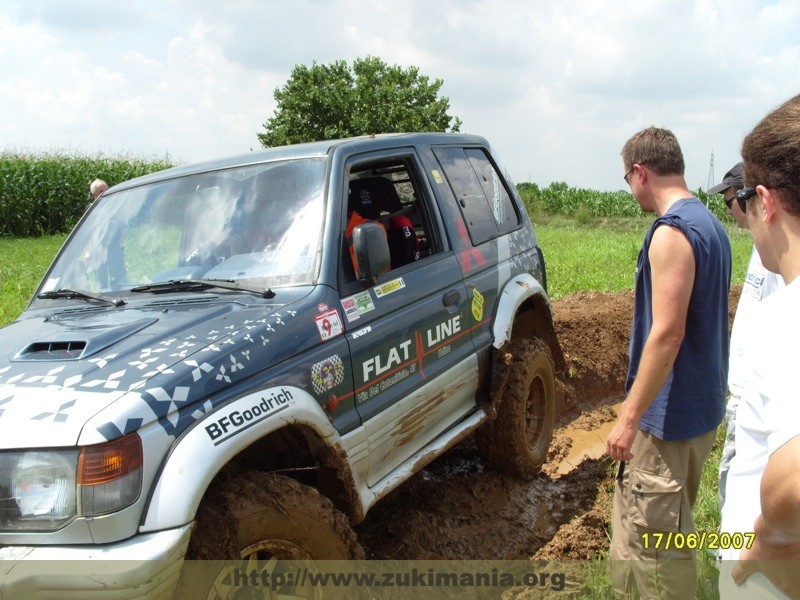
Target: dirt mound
593,329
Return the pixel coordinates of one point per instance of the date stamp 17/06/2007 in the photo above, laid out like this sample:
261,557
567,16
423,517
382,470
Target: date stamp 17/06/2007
697,540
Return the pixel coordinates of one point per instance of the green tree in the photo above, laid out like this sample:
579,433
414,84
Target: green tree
332,101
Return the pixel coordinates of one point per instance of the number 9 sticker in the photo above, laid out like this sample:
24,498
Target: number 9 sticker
329,324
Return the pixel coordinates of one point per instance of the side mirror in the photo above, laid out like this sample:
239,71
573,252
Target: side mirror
372,251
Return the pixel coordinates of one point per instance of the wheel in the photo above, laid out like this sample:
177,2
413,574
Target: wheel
517,441
260,520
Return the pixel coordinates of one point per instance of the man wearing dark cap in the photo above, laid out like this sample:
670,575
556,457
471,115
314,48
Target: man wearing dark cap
731,183
758,284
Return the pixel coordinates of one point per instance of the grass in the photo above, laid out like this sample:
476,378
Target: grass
707,518
600,254
23,263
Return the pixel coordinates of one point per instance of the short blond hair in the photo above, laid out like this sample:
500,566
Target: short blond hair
97,187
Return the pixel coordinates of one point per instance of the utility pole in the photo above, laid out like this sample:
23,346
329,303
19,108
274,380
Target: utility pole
710,175
711,172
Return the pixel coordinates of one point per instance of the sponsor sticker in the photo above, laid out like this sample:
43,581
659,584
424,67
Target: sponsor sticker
362,331
355,306
329,324
327,374
247,413
389,287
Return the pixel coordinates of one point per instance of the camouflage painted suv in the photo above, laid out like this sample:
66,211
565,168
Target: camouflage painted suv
242,357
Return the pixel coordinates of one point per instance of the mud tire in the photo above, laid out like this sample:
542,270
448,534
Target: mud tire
271,516
517,441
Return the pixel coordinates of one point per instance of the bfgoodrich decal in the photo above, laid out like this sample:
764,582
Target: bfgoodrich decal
248,412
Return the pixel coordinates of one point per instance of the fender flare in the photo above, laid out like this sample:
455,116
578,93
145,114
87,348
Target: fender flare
199,455
516,291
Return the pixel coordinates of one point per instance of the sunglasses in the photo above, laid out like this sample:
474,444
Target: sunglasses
627,176
742,196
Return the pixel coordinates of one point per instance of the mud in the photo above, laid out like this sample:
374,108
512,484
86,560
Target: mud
455,509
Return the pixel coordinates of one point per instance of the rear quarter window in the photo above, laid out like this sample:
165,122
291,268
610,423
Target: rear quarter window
483,199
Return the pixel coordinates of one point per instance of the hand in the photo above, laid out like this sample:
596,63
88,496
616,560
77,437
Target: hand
777,563
620,441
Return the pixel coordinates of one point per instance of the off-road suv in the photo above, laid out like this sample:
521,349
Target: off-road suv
242,357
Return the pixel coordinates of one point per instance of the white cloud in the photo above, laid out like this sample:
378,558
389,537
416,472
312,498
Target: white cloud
556,87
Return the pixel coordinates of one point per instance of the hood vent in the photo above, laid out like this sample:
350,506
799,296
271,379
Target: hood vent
53,351
77,339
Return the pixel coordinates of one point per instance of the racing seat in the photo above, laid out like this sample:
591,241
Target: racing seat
376,199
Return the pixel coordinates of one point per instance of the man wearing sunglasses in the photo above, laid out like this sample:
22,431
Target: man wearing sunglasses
677,373
758,284
763,484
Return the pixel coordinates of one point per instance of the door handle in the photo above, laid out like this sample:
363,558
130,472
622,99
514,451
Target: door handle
452,298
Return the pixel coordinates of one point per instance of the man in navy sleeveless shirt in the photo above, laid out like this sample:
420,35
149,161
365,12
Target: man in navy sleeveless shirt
677,374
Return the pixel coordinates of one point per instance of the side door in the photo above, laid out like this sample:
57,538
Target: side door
414,366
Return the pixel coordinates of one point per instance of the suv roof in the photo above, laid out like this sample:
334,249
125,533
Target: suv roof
308,149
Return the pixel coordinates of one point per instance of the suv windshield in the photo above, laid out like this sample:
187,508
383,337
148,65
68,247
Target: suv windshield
259,224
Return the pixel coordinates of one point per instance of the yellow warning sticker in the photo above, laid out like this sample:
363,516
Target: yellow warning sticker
389,287
477,305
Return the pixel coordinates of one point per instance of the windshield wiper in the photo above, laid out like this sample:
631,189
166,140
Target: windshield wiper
198,285
81,294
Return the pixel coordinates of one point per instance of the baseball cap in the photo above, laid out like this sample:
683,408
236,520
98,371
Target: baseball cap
732,178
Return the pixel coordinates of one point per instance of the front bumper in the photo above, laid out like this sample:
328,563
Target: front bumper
145,566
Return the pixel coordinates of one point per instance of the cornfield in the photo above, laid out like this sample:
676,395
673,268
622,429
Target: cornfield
560,199
46,194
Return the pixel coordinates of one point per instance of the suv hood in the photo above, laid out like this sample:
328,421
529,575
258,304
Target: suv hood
89,375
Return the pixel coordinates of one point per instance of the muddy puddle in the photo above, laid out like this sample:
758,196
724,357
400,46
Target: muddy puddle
586,439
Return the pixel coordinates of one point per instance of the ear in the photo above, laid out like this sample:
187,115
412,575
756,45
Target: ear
770,203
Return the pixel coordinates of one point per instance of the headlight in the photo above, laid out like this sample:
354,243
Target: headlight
42,490
37,489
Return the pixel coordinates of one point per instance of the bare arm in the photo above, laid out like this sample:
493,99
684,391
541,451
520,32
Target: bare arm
777,528
673,268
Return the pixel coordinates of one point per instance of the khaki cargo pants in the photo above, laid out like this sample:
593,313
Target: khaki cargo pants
653,499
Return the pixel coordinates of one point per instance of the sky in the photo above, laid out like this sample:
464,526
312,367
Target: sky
556,87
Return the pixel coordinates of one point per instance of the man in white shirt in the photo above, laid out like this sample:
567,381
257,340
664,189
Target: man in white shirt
758,284
761,515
